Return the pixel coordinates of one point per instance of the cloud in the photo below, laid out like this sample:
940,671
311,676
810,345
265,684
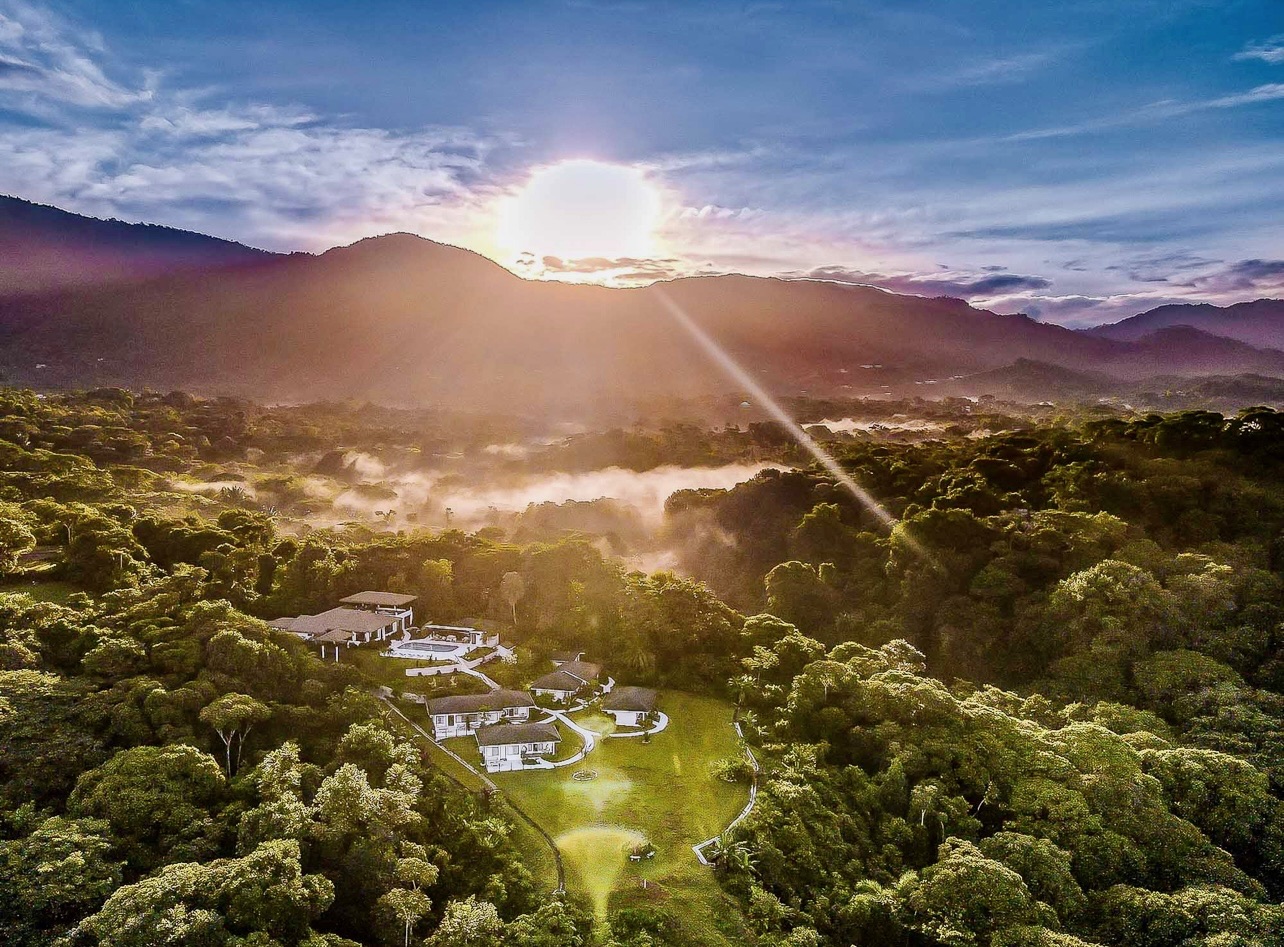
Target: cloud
43,63
1080,310
1243,276
611,271
984,72
962,285
1269,51
1154,112
276,176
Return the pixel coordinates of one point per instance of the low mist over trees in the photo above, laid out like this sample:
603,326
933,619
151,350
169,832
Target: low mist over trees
1042,709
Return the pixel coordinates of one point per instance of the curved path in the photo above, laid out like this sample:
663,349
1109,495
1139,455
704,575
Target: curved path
490,787
588,736
662,721
753,798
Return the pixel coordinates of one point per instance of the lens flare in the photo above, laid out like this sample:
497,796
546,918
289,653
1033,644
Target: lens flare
734,370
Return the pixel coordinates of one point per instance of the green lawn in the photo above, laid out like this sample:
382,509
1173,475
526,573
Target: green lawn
56,592
661,792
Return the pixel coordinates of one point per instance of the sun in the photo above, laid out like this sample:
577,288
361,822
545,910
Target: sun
581,209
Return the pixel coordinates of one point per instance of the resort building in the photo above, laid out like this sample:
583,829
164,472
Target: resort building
570,678
631,706
394,604
463,715
507,747
561,657
339,627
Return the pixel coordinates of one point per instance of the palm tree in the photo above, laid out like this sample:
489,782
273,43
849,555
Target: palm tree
735,857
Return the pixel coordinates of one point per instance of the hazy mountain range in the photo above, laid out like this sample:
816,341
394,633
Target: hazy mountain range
404,320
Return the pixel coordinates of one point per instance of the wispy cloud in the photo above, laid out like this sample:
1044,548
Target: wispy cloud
40,59
1155,112
962,285
98,140
1242,276
1271,50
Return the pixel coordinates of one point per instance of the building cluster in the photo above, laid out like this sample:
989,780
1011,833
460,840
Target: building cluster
500,720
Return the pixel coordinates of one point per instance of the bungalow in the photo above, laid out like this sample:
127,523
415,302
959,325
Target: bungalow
568,680
386,603
630,706
561,657
461,716
338,626
510,746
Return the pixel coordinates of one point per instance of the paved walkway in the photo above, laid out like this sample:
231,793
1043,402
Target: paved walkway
699,848
588,736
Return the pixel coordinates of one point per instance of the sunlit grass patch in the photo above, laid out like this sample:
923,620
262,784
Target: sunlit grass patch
662,792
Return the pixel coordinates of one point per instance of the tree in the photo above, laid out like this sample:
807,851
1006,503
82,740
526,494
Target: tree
233,716
468,923
264,897
796,594
15,539
512,587
965,898
158,801
408,906
53,877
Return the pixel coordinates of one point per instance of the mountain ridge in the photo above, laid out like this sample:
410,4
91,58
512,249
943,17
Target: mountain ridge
400,319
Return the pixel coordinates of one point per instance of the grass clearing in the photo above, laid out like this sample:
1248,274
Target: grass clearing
52,591
662,792
596,721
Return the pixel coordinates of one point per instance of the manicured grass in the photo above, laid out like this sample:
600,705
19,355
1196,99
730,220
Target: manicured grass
56,592
661,792
392,673
596,721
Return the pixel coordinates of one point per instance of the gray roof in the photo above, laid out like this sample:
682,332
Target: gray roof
631,698
561,657
557,681
584,670
502,734
380,599
334,619
472,703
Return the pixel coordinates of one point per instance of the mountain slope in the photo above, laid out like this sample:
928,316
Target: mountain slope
43,248
1259,323
403,320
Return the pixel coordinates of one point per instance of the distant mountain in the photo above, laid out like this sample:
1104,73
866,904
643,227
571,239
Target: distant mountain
403,320
1026,381
1259,323
43,248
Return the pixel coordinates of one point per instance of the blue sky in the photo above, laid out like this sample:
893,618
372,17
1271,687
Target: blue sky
1080,160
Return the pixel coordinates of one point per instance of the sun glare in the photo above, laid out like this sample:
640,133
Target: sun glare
581,209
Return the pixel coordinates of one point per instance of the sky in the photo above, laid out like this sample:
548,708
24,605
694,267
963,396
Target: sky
1079,161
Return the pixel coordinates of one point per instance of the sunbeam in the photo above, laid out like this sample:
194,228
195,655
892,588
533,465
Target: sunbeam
733,369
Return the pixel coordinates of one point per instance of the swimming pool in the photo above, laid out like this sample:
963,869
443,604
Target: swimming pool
427,646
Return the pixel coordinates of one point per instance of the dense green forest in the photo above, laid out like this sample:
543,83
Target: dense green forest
1043,709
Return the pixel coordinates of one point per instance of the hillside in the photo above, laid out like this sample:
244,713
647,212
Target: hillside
403,320
43,248
1259,323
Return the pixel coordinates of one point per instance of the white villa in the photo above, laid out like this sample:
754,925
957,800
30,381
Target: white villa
569,679
461,716
630,706
340,627
506,747
386,603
